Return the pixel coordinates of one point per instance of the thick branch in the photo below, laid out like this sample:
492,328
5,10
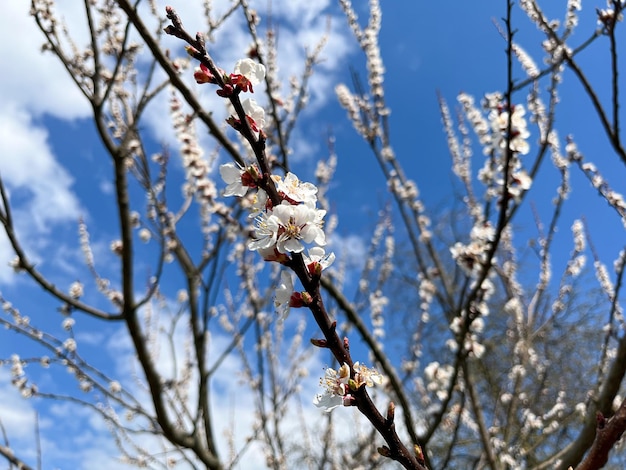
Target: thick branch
607,434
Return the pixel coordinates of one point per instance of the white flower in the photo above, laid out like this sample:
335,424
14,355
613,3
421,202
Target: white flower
287,226
523,179
254,112
283,294
76,290
145,235
366,375
255,203
28,392
253,71
328,401
318,255
338,385
85,385
67,324
116,247
336,388
265,232
16,366
16,265
296,190
182,296
70,344
482,232
135,218
231,173
301,222
606,17
115,386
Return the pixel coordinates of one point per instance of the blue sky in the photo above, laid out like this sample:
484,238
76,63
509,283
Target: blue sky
56,171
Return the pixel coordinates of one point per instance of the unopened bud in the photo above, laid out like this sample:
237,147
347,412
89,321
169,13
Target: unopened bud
315,269
296,300
384,451
192,51
225,92
391,412
234,122
419,454
320,343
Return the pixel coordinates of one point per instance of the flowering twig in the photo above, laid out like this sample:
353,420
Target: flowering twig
286,217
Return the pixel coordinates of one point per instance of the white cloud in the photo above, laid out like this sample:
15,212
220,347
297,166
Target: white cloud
17,416
16,413
30,167
33,84
351,247
32,80
298,12
40,188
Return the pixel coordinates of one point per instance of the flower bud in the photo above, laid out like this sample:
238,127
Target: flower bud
320,343
192,51
384,451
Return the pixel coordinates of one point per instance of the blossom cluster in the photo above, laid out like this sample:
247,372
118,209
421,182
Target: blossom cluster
607,17
505,123
19,379
245,75
498,117
338,385
283,226
282,229
472,256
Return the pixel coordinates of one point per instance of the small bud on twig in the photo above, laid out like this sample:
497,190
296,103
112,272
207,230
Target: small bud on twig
173,17
320,343
419,454
384,451
192,51
391,413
